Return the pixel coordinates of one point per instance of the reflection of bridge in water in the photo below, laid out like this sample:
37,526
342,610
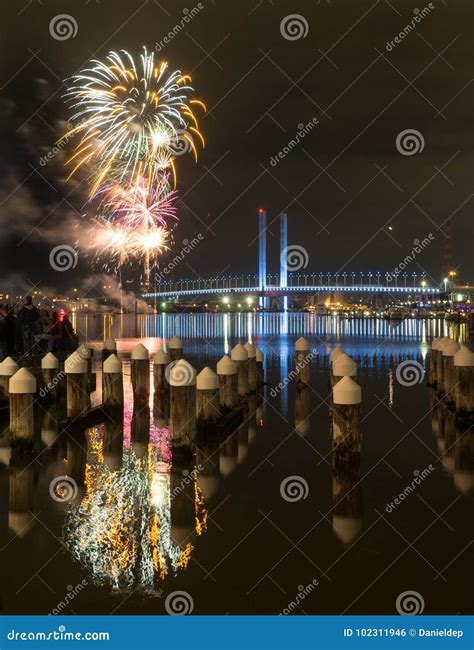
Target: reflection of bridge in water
292,279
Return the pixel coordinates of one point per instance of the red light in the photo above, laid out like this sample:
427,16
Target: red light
261,210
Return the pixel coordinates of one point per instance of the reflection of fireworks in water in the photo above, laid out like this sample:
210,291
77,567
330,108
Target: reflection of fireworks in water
121,531
130,115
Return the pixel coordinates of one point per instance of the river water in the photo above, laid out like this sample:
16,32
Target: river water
259,523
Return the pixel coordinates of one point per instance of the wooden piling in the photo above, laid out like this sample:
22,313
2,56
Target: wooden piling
439,380
463,362
112,382
259,357
8,368
52,378
335,352
449,350
207,400
346,412
302,407
229,452
140,374
21,388
435,355
161,359
227,373
342,366
182,380
347,504
240,356
175,347
78,400
302,361
252,367
109,347
207,462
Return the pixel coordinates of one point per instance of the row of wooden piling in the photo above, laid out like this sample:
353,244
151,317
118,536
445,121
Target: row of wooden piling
451,375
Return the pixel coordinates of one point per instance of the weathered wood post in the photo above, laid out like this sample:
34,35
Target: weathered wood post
140,373
78,399
464,462
175,347
440,370
22,387
50,425
252,367
229,451
335,352
302,404
182,501
207,461
140,430
259,357
343,366
302,361
112,381
8,367
182,380
464,381
227,373
113,437
434,361
21,501
87,354
161,359
347,504
207,400
51,375
449,350
347,398
240,356
109,347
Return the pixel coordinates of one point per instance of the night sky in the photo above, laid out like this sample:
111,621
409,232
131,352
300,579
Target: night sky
342,186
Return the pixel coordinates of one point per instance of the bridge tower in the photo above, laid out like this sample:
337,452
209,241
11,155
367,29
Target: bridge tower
284,256
262,256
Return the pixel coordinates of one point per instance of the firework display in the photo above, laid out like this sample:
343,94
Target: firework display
131,119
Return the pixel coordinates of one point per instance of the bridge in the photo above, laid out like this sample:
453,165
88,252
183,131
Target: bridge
293,278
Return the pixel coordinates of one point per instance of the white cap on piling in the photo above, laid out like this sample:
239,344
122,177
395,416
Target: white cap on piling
227,465
182,374
239,353
226,366
450,348
259,355
140,352
175,343
8,367
207,380
110,344
435,343
443,341
347,391
208,485
464,481
49,362
112,365
301,344
344,366
336,352
75,365
464,357
252,352
84,351
22,382
346,529
161,358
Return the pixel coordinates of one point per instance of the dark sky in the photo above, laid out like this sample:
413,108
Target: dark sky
343,185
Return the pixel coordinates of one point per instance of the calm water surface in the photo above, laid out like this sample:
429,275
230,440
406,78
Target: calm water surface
139,528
